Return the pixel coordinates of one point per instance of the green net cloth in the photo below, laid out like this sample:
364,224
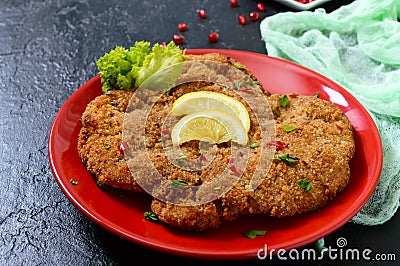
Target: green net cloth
358,46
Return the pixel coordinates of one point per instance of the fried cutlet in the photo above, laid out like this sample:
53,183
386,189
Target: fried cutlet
313,131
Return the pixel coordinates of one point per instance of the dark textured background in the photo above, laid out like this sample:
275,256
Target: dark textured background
48,49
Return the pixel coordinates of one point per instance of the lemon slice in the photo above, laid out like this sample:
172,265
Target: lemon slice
199,101
209,126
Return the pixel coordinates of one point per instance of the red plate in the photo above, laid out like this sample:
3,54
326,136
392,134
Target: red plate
123,215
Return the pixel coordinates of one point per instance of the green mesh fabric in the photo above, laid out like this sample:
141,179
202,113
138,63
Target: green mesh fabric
358,46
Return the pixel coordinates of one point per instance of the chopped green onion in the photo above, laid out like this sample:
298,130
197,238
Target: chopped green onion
73,182
305,184
253,145
287,158
276,112
180,158
254,233
284,101
237,85
106,146
288,128
178,182
150,216
240,66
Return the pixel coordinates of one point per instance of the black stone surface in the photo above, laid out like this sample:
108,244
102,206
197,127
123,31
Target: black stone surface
48,49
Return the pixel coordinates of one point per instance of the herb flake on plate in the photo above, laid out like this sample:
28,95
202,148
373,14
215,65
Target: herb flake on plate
254,233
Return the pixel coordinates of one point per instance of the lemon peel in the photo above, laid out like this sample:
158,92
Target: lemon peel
210,126
199,101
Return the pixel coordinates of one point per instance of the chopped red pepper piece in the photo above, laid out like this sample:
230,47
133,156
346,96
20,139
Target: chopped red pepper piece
123,146
235,171
278,144
230,160
92,124
165,131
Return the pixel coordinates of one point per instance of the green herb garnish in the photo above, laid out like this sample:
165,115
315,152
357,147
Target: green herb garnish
287,158
254,233
316,95
253,145
240,66
106,146
180,158
150,216
237,85
276,112
178,182
288,128
284,101
73,182
305,184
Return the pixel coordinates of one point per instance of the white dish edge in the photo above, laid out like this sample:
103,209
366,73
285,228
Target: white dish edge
300,6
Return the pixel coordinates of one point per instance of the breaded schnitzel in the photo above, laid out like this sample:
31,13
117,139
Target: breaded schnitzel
314,145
